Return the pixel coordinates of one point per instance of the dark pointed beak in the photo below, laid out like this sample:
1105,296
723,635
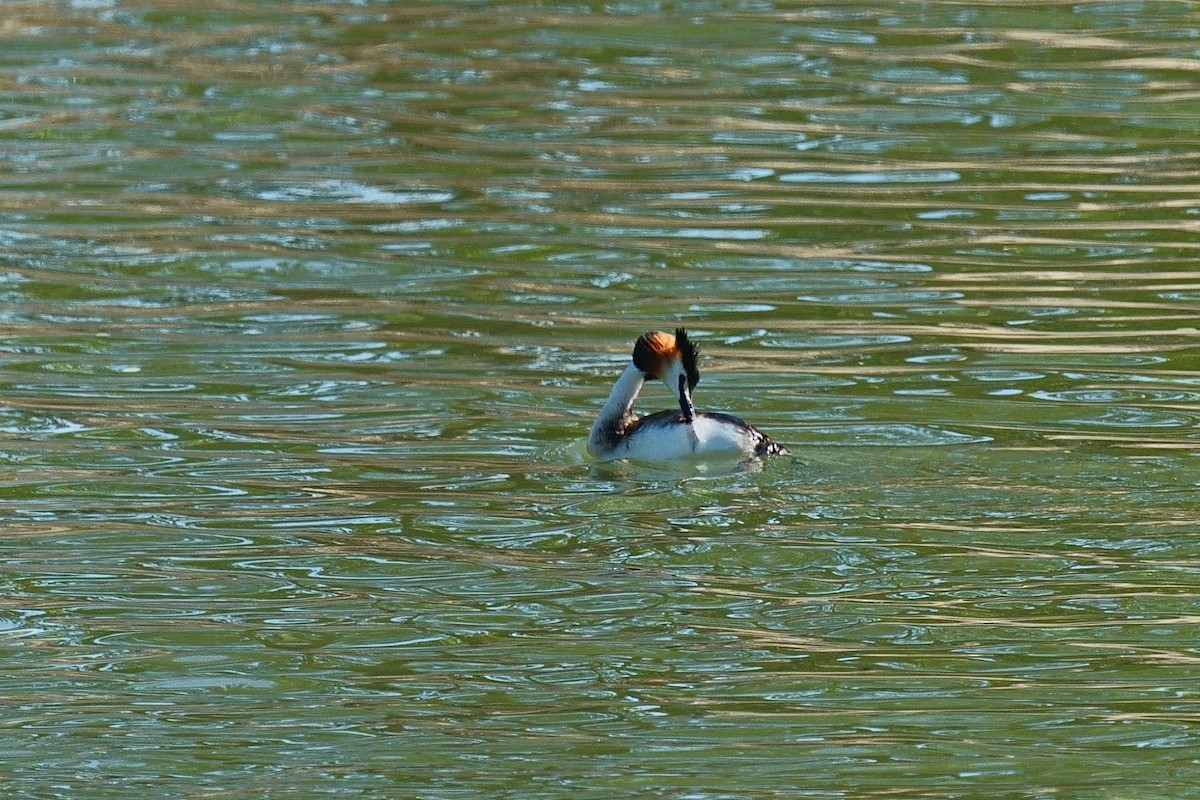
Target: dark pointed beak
685,399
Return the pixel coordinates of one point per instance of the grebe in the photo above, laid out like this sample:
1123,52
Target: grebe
666,435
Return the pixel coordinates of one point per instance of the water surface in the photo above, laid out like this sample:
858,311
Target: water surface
308,308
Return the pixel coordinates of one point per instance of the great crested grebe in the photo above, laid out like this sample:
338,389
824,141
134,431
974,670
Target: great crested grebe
667,435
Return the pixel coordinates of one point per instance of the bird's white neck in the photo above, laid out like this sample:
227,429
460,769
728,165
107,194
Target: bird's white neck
620,401
618,409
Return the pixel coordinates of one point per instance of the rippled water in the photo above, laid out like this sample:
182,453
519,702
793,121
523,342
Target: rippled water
307,310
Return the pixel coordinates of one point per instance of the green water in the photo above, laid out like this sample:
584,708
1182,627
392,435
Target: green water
307,309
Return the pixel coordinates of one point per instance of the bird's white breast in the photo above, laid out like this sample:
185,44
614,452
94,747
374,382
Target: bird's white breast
702,437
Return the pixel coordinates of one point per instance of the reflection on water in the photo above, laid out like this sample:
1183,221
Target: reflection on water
308,310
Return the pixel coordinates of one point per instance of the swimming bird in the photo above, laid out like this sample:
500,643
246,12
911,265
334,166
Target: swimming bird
667,435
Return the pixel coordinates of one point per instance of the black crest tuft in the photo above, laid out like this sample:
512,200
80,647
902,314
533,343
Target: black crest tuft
689,352
643,354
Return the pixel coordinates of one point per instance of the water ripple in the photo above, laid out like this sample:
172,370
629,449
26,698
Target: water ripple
307,312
